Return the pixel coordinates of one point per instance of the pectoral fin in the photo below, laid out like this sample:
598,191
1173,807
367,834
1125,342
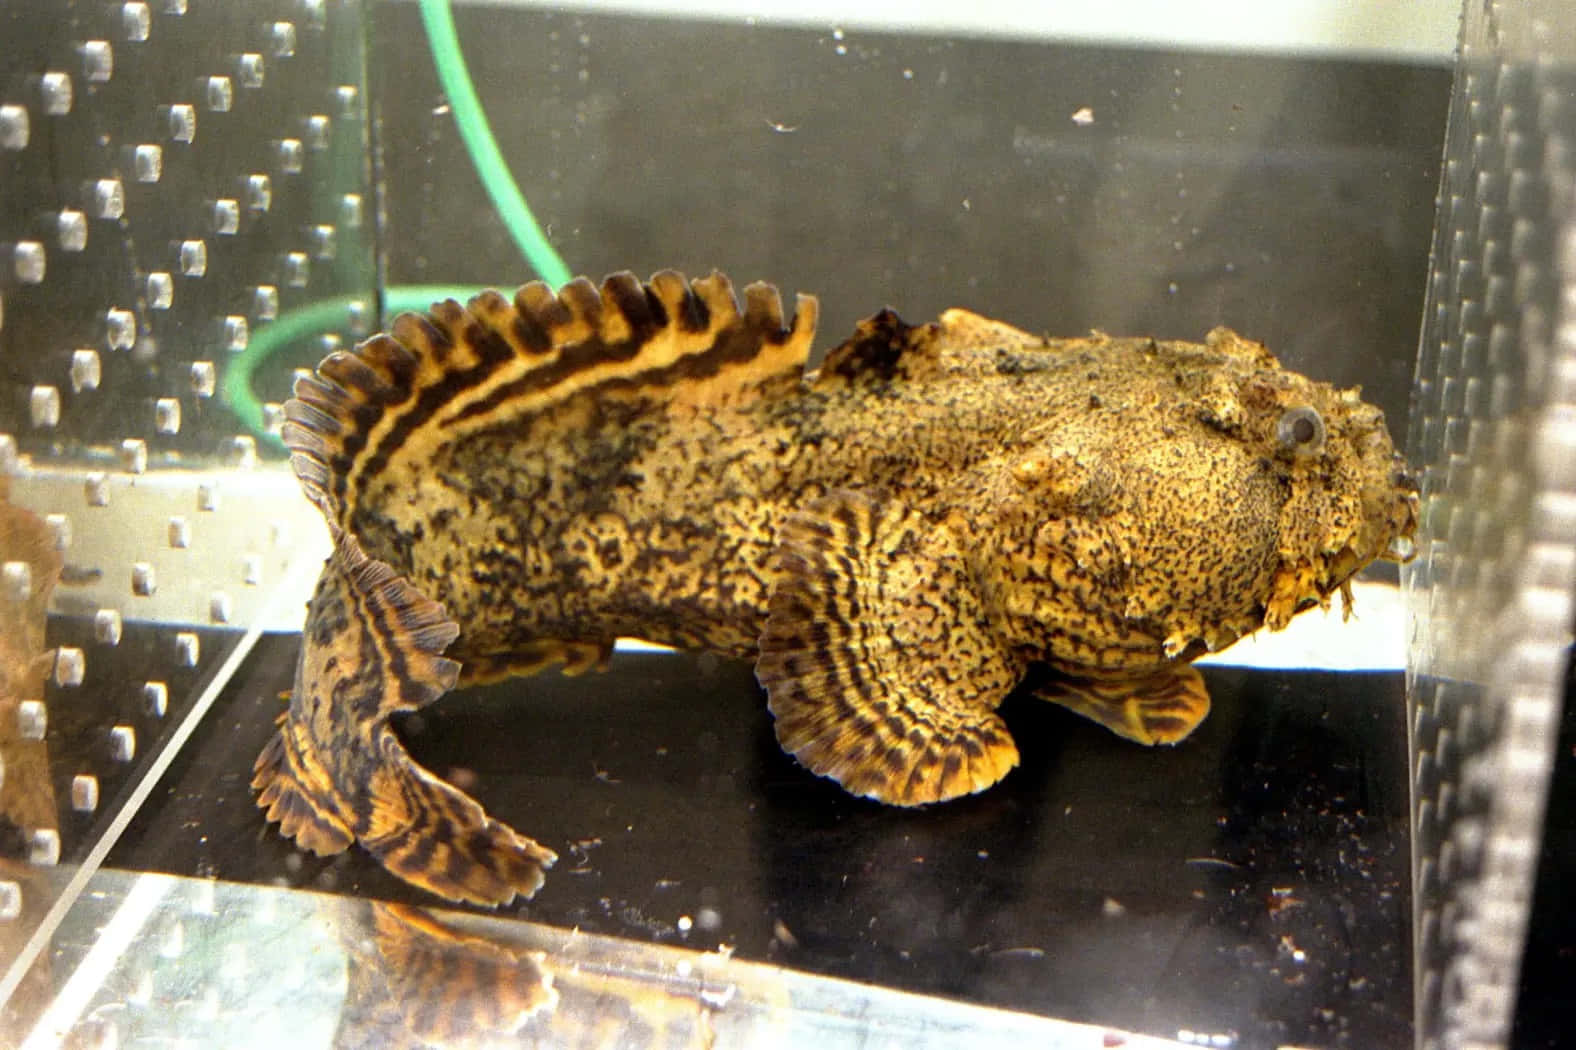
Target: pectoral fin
1162,708
878,658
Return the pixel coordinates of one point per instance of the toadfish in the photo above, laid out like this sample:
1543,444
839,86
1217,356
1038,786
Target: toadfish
897,538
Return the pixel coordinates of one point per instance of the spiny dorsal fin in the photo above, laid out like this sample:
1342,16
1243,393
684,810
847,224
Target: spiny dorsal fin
883,347
457,369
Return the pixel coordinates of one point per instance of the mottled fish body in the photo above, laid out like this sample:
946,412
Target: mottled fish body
898,538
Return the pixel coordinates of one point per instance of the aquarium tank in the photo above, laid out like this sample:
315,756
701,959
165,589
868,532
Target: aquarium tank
1365,845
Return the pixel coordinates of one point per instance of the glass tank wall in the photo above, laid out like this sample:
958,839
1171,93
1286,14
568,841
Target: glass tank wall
198,199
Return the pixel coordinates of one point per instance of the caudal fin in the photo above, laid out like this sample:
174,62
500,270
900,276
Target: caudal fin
336,773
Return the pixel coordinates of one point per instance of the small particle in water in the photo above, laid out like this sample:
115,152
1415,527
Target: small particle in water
967,205
685,924
983,854
441,109
841,49
1172,288
781,128
709,919
464,778
1083,116
1112,908
783,935
837,34
908,74
1018,953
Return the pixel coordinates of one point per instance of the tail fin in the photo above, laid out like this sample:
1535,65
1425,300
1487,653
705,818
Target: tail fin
372,414
336,773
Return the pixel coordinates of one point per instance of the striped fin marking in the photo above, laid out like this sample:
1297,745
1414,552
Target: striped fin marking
436,377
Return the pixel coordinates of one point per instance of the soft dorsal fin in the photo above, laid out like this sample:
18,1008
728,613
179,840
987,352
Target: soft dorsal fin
457,369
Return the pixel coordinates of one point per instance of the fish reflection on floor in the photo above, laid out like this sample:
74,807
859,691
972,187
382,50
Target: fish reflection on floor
418,981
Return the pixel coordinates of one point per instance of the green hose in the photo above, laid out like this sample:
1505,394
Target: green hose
471,120
333,314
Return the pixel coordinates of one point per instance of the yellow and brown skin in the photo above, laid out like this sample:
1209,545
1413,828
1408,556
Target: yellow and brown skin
27,797
897,538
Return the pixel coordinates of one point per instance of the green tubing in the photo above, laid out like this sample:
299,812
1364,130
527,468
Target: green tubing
477,134
331,314
325,315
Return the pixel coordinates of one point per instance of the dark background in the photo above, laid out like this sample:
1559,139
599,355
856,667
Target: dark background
1290,199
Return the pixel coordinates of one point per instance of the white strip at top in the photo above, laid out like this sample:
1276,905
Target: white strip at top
1415,31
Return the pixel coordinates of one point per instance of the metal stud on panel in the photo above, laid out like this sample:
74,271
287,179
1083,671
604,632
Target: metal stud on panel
120,328
167,415
107,627
147,162
122,743
55,93
28,262
44,847
86,370
109,199
161,290
203,378
84,793
172,173
60,528
10,900
155,699
71,230
183,122
44,406
15,129
136,22
32,720
16,581
71,666
98,61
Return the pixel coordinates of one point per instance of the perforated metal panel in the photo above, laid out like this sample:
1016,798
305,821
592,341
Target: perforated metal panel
1494,423
178,180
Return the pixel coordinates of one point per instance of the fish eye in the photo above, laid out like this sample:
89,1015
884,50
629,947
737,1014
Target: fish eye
1300,431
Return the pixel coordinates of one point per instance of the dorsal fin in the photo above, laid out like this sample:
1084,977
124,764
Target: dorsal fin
457,369
882,347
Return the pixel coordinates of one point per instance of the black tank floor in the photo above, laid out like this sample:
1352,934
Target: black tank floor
1252,882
